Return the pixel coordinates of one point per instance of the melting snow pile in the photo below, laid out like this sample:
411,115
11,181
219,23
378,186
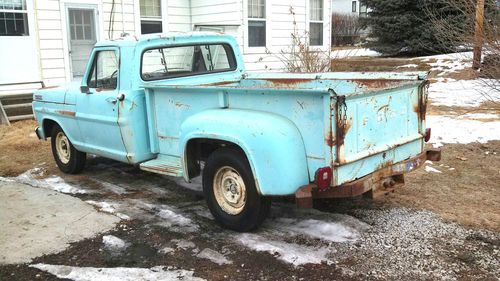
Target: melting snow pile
450,130
467,93
56,183
172,219
114,243
213,256
287,252
466,128
331,231
117,273
109,208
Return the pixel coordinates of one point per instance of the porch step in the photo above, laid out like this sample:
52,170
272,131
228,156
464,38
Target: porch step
164,164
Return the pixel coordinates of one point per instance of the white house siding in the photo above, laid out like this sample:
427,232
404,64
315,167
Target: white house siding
123,18
231,16
280,27
52,62
178,15
19,54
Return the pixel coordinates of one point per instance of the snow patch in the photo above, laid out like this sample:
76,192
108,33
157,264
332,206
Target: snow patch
109,208
449,130
290,253
116,273
114,243
355,52
465,93
432,170
56,183
325,230
184,244
213,256
411,65
173,219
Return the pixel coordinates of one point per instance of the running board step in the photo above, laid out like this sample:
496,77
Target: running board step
165,165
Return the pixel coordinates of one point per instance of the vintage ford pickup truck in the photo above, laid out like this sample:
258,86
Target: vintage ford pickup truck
181,104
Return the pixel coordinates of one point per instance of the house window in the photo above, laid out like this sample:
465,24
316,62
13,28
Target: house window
151,21
363,10
316,23
13,18
256,23
354,6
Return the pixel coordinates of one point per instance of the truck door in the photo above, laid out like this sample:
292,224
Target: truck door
98,105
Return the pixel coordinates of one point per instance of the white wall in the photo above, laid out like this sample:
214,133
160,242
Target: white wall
19,54
53,36
178,15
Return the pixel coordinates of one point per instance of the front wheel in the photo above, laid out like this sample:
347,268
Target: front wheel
68,159
230,191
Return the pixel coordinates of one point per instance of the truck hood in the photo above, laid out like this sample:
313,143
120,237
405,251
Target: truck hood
56,94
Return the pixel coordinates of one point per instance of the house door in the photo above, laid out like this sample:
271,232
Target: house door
82,37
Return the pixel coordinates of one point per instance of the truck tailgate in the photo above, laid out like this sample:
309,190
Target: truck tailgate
376,127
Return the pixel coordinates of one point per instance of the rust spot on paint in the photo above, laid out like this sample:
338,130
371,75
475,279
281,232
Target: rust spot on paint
67,113
181,105
287,81
377,83
222,83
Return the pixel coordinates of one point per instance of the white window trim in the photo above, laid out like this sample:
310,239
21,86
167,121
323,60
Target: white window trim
163,19
325,21
267,18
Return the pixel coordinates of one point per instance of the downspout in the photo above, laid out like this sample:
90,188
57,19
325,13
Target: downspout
123,18
37,39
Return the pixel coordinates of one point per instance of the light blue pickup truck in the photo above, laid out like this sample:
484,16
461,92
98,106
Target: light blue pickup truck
181,104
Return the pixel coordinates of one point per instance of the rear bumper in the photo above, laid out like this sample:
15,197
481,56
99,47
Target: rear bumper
377,183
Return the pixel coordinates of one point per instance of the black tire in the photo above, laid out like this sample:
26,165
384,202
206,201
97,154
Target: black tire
76,160
255,208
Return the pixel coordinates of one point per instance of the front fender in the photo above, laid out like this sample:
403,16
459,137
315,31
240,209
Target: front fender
272,144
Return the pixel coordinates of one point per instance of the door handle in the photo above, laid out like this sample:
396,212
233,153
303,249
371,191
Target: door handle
111,100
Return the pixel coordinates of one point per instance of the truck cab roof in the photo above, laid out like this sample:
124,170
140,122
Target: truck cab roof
167,39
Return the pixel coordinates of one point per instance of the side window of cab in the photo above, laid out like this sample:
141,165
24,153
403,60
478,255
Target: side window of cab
104,72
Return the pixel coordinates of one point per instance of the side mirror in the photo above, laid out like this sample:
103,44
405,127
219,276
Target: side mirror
85,90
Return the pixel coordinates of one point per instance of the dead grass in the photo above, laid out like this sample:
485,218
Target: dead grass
20,149
468,195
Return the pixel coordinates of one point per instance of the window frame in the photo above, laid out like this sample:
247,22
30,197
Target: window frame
90,68
159,19
354,7
266,26
231,56
311,21
24,11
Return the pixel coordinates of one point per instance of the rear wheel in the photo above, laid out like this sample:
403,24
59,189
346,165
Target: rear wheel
68,159
230,191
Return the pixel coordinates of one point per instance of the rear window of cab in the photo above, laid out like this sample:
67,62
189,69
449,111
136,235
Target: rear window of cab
186,60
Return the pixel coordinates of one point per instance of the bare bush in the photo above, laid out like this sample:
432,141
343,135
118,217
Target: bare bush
301,56
346,29
451,33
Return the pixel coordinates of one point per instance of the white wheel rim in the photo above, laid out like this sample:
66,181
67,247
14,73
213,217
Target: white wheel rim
62,148
229,190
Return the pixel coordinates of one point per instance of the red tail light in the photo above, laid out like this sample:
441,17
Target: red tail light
427,134
323,178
